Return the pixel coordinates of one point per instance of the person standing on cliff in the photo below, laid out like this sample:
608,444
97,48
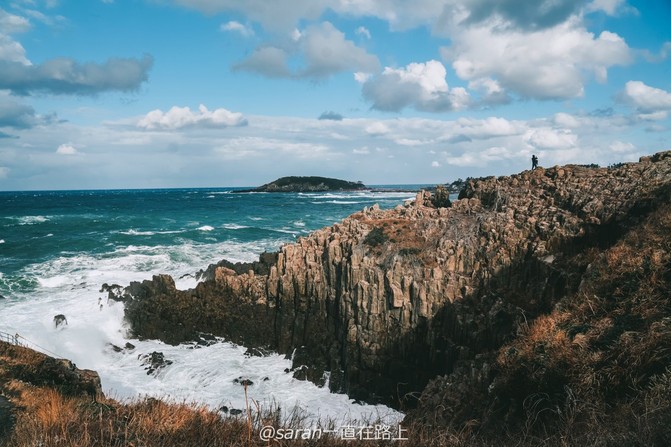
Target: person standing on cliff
534,162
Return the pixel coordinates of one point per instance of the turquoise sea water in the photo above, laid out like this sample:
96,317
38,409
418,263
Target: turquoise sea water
57,248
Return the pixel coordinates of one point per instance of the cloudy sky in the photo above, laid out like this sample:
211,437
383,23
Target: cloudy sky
191,93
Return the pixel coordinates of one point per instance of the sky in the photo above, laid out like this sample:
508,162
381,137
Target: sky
103,94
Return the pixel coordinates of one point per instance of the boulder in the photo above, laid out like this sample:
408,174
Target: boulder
60,320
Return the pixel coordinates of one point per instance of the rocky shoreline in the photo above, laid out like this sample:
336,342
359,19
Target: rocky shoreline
387,300
534,308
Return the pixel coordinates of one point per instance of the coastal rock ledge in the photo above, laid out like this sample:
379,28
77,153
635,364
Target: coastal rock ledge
388,300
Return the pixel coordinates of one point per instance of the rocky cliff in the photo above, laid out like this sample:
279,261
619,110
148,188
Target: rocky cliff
387,300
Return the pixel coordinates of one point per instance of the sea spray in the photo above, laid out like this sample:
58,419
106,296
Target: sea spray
64,246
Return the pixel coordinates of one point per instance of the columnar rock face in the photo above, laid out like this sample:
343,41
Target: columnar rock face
388,299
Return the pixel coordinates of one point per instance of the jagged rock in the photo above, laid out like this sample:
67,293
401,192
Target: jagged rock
59,320
155,362
114,347
115,292
257,352
234,412
205,339
440,287
243,381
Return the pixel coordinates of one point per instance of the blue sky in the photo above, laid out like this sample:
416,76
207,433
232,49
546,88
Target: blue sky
201,93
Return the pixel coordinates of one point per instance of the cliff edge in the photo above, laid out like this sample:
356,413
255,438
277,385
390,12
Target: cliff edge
465,312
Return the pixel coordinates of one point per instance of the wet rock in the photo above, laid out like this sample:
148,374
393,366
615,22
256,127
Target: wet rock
115,292
154,362
114,347
235,412
60,320
204,339
257,352
243,381
129,346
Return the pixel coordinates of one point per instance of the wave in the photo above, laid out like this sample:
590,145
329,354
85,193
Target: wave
233,226
70,285
339,202
133,232
205,228
2,241
30,220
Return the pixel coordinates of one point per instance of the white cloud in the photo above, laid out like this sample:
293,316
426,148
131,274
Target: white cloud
551,139
363,31
12,51
327,51
67,149
645,98
419,85
11,23
181,117
622,147
362,77
483,157
377,128
4,172
435,164
488,128
322,49
361,151
566,120
237,27
283,15
551,63
258,146
69,77
612,7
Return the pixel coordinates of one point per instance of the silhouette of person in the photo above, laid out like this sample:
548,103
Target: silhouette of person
534,162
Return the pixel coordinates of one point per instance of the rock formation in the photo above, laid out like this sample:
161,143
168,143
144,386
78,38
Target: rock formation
308,184
387,300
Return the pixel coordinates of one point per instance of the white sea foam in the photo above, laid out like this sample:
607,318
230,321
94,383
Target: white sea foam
70,286
232,226
132,232
2,241
299,223
342,202
31,220
205,228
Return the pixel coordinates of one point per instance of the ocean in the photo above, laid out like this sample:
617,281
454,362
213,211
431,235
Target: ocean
58,247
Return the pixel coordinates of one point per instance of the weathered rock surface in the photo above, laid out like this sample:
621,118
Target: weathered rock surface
154,362
434,286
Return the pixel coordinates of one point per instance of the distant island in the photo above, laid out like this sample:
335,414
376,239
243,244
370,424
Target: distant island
308,184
